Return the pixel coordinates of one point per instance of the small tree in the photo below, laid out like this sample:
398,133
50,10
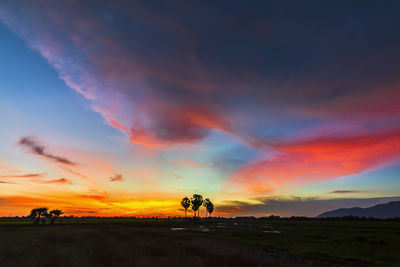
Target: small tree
196,201
185,203
36,214
53,214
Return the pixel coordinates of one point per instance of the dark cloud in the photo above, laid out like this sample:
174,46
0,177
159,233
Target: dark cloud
176,77
295,206
38,149
116,178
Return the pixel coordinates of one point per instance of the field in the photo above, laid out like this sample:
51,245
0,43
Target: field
223,242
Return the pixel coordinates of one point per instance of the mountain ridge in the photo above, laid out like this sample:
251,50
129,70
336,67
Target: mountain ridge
380,211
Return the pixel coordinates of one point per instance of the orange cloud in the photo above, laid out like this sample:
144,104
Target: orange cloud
28,175
57,181
320,159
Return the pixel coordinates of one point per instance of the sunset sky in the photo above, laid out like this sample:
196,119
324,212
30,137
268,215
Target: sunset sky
121,108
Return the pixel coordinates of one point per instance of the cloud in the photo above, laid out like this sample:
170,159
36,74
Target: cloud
178,176
28,175
295,206
173,85
40,150
80,211
320,159
74,172
345,191
8,168
116,178
57,181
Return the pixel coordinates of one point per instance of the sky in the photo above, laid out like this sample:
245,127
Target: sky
122,108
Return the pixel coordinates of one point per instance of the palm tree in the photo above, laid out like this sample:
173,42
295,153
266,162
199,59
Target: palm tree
196,202
54,214
185,203
37,213
206,203
210,207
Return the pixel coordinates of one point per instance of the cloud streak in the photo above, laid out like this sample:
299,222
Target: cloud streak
56,181
39,150
345,191
27,175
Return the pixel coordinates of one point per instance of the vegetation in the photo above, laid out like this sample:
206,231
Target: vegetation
196,202
270,241
185,203
209,206
40,215
53,214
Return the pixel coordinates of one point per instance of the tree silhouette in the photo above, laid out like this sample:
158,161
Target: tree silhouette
210,207
53,214
196,201
37,213
185,203
206,203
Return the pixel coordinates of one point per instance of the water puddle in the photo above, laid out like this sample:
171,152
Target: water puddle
272,231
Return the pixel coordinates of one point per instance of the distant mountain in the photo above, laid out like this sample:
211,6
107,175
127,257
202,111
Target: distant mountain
382,211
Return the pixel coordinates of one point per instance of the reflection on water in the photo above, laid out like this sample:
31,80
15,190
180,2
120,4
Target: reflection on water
273,231
178,228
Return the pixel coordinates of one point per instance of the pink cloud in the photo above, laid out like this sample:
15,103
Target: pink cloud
319,159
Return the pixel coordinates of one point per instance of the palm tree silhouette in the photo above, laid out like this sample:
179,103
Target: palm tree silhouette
196,201
185,203
210,207
206,203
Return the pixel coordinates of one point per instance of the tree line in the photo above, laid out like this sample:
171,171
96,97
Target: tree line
42,214
196,202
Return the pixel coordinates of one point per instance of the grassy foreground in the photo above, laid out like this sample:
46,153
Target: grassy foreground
201,243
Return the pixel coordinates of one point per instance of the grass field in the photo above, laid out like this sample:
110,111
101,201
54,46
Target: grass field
201,243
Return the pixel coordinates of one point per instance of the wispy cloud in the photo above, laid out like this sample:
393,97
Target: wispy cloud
38,149
345,191
56,181
74,172
28,175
